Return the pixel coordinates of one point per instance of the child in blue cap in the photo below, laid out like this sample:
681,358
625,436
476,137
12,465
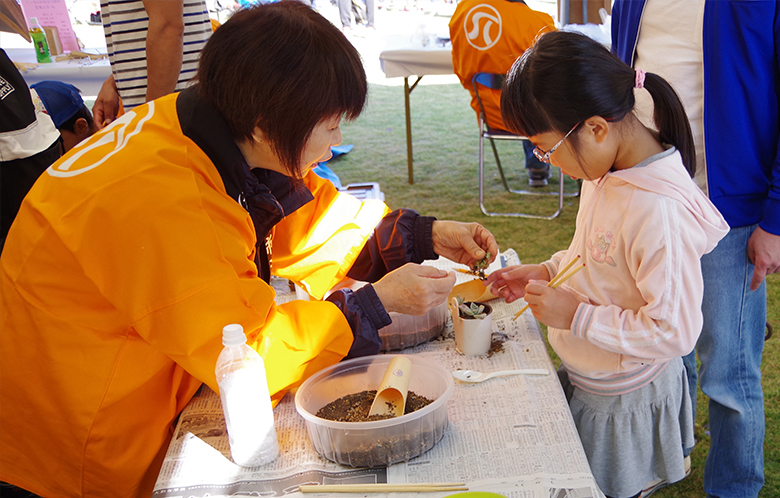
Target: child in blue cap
67,109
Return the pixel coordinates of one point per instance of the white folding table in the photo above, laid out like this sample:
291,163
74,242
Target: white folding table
87,75
434,58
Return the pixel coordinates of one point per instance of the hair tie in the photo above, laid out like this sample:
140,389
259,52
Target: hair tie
639,81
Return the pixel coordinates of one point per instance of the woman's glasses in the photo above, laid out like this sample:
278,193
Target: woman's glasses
544,156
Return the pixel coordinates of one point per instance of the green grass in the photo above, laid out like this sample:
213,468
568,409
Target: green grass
445,186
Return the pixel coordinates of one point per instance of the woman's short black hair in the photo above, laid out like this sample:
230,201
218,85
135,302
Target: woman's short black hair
283,68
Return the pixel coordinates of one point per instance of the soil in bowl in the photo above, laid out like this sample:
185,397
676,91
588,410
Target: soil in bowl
355,407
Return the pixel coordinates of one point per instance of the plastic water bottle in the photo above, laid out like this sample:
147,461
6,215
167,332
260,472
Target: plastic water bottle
39,41
246,402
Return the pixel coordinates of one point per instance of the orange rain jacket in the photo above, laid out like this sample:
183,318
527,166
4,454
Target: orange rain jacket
488,36
128,257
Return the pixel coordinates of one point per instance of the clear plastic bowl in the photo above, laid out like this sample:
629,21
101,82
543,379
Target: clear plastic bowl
380,442
407,331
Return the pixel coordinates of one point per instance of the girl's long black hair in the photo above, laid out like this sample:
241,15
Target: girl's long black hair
567,77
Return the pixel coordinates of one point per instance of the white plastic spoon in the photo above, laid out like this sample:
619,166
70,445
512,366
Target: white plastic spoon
474,376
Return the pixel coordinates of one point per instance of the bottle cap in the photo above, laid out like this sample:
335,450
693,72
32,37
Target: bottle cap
233,335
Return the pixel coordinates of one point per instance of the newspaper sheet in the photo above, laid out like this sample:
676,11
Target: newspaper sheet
512,435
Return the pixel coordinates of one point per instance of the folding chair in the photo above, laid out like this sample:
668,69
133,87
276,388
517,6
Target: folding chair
495,82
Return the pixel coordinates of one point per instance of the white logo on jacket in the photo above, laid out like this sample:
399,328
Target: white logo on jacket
482,26
6,88
111,141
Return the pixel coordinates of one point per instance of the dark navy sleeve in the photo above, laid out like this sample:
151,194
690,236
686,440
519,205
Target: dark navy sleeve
366,315
401,237
626,16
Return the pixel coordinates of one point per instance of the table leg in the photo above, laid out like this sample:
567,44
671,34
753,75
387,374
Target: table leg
565,11
409,154
563,15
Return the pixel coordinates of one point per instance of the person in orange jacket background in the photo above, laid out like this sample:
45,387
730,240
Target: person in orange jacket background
488,36
130,254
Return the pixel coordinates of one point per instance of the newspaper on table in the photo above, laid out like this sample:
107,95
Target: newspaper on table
513,435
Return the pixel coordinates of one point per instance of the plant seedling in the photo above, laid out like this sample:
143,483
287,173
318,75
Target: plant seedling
479,267
471,310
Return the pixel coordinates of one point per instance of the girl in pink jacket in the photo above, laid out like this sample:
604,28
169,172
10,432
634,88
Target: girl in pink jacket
621,324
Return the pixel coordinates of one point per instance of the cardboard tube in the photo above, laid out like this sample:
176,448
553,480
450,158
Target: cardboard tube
391,395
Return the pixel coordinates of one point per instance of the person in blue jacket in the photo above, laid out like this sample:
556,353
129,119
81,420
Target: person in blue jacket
722,57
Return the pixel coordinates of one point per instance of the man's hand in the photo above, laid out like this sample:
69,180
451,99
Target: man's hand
464,243
509,283
414,289
107,104
764,253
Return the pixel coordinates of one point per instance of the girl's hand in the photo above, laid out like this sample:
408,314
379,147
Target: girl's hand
510,282
464,243
553,307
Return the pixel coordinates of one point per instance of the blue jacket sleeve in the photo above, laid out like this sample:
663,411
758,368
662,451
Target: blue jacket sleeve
366,315
625,28
401,237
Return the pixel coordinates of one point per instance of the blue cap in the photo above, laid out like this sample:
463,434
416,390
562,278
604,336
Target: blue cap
62,100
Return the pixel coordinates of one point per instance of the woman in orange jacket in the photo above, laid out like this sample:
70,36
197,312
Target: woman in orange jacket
131,253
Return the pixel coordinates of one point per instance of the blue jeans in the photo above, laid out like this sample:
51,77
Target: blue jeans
531,161
730,349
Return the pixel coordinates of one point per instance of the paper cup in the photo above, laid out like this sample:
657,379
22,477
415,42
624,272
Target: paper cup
472,335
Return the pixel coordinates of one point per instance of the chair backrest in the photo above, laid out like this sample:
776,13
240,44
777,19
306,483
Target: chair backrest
491,81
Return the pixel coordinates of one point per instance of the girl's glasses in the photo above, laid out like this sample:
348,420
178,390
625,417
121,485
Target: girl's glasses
545,156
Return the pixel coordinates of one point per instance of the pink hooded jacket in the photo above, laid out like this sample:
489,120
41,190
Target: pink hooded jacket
641,232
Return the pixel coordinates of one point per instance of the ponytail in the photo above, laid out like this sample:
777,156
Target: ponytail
670,119
567,77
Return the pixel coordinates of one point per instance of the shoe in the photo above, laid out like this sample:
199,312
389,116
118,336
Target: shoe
653,486
537,177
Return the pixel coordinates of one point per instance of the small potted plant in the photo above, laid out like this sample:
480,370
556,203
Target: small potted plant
473,310
473,326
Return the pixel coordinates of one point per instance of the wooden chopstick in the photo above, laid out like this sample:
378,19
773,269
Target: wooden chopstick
555,282
567,277
565,269
383,488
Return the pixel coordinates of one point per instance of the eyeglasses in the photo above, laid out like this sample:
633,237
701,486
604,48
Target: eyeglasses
545,156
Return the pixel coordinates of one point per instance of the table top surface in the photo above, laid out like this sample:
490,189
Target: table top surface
85,74
504,435
408,59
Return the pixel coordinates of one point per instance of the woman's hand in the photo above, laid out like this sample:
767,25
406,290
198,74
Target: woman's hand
509,283
464,243
414,289
554,307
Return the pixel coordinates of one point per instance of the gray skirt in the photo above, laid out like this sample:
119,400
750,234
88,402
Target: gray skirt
637,437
